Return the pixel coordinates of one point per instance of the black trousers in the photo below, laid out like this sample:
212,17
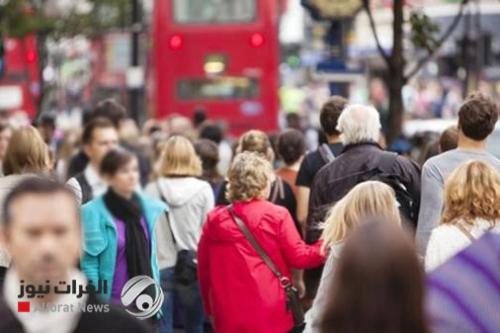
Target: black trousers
3,270
298,329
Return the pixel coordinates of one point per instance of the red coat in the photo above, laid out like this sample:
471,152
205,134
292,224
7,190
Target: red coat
239,291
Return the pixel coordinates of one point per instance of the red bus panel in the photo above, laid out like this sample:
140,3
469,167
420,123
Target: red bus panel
223,60
19,84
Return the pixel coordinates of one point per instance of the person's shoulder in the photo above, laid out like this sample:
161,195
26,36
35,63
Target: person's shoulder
312,158
93,205
271,210
151,188
445,232
438,163
152,201
493,160
217,213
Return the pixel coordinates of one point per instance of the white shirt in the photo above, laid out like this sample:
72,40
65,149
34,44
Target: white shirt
447,240
96,183
45,321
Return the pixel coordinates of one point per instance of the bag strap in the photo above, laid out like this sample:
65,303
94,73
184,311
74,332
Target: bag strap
85,187
326,153
278,190
285,282
465,232
166,212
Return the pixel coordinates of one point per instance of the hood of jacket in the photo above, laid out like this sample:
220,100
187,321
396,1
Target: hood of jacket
178,191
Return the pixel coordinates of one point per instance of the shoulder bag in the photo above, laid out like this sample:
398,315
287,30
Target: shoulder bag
293,301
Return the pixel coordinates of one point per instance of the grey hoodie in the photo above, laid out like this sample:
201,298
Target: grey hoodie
189,200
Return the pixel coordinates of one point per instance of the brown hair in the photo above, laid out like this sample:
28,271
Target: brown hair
254,141
114,160
109,109
179,159
471,191
208,152
291,146
378,284
26,152
477,116
330,113
88,131
448,139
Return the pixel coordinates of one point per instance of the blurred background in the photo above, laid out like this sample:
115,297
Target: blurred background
266,64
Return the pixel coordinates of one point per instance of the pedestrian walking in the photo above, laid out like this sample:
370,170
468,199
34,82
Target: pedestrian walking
189,200
29,156
361,160
378,285
99,137
42,231
471,208
246,254
291,147
365,202
476,120
208,152
281,193
118,227
314,161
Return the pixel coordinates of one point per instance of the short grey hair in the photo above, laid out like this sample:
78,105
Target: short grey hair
359,123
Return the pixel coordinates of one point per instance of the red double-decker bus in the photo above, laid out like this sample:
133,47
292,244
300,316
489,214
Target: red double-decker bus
219,56
20,80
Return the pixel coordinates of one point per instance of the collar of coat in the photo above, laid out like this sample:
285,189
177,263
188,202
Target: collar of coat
359,144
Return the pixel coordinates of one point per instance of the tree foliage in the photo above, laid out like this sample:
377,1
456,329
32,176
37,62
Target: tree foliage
21,17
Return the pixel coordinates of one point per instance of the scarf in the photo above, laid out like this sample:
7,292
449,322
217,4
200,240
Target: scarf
137,247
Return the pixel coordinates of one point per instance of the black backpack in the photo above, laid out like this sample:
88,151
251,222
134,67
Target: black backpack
408,206
85,187
336,189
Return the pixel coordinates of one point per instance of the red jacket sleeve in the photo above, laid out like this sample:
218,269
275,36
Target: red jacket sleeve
203,268
296,252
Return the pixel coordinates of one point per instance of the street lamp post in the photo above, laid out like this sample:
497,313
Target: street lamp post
135,92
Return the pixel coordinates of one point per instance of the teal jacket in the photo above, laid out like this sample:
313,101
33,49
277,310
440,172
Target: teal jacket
100,239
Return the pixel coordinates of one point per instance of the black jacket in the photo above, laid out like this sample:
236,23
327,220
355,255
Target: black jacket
116,320
337,178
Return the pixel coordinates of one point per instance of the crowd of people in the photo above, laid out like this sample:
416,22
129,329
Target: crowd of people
255,235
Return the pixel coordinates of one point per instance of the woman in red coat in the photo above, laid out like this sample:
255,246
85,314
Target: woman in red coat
240,293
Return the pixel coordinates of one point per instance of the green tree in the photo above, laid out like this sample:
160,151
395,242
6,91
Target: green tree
19,18
424,37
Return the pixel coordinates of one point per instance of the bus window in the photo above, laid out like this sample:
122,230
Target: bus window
218,88
214,11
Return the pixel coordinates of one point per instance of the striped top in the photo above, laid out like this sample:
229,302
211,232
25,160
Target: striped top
463,295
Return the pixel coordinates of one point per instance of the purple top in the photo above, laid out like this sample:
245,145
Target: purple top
121,274
463,293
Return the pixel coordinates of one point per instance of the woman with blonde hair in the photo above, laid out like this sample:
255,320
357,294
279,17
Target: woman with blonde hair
281,192
240,290
189,200
370,200
471,207
27,154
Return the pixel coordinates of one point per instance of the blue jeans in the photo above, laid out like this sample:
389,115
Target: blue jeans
189,299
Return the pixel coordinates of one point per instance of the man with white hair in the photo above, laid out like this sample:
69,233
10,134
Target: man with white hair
362,159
